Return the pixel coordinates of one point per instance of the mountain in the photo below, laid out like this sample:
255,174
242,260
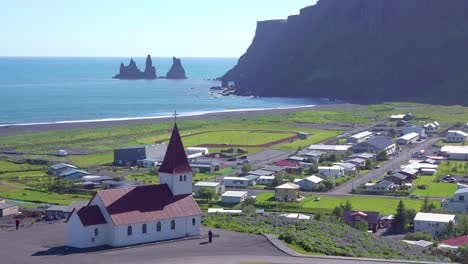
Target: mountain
132,72
361,50
177,70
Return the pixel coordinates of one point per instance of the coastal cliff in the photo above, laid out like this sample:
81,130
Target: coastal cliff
361,50
132,72
177,70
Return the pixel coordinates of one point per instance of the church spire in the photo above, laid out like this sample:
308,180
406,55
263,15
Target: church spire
175,160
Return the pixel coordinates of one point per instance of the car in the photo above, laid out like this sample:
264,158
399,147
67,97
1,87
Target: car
377,167
415,196
317,199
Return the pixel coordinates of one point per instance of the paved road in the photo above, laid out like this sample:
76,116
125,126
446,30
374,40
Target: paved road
392,164
44,245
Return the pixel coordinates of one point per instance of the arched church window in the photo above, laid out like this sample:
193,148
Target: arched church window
143,229
180,178
96,232
158,227
185,177
129,230
193,221
172,224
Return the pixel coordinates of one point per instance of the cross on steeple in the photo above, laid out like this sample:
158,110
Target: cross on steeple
175,116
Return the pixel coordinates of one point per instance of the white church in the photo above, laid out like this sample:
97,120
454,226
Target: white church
141,214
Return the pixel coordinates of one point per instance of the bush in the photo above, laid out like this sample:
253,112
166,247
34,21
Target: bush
422,186
418,236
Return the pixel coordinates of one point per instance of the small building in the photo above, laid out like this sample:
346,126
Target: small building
361,163
56,169
296,216
233,197
266,180
330,149
435,224
333,171
383,186
273,168
62,153
309,183
120,184
303,135
95,178
455,152
428,171
72,174
287,164
224,211
455,241
218,187
365,155
240,182
287,192
431,127
456,136
408,138
195,152
148,163
297,159
386,220
371,218
57,212
375,145
459,202
350,168
131,155
261,173
203,167
8,209
313,156
399,178
414,129
397,117
359,137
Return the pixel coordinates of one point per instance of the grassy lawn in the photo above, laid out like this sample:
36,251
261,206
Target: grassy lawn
44,197
236,137
146,178
327,203
6,166
437,189
22,174
453,168
83,161
315,137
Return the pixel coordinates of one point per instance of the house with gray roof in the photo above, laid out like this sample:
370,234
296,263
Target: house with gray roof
375,145
56,169
72,174
131,155
384,185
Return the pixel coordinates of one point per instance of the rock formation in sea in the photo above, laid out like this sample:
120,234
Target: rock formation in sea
176,71
361,50
132,72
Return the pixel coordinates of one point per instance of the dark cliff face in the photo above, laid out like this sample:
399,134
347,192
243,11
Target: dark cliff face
176,71
132,72
361,50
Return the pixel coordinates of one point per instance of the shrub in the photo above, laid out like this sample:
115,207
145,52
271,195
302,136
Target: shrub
418,236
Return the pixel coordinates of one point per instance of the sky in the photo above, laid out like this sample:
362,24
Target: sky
122,28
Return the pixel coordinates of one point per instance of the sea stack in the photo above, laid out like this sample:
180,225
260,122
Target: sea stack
176,71
132,72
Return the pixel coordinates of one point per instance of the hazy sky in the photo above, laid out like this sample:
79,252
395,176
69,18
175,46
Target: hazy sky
184,28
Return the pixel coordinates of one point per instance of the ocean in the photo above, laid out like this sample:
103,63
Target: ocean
41,90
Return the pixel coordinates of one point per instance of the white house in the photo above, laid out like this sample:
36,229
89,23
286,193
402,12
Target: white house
456,136
236,181
436,224
459,202
350,168
383,185
407,138
265,180
359,137
455,152
309,183
148,163
141,214
333,171
415,129
330,149
216,186
233,197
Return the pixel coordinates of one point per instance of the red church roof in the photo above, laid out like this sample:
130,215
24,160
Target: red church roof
91,215
456,241
175,160
147,203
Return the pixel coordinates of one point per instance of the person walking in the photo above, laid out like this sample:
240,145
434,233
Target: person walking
17,222
210,236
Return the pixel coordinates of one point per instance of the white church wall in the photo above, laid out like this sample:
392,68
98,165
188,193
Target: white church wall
80,236
178,183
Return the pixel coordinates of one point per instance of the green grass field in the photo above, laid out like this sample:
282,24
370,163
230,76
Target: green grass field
43,197
385,205
6,166
437,189
242,137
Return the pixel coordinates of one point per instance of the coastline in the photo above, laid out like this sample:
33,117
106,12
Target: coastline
26,128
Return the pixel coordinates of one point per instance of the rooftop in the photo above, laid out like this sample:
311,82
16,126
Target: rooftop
59,166
409,136
273,168
261,172
361,135
330,147
380,142
4,206
234,194
235,178
456,241
455,149
288,185
430,217
175,160
207,184
459,132
144,146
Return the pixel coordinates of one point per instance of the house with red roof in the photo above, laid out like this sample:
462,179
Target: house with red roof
456,241
371,218
141,214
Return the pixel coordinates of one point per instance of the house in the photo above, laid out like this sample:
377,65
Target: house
430,127
287,164
218,187
203,167
273,168
350,168
297,159
148,163
408,138
196,152
386,220
309,183
412,172
252,179
435,224
359,137
397,117
233,197
142,214
414,129
56,169
266,180
437,159
313,156
430,172
375,145
72,174
261,173
371,218
95,178
287,192
330,149
399,178
459,202
361,163
8,209
383,185
365,156
296,216
456,241
56,212
333,171
456,136
224,211
239,182
303,135
455,152
131,155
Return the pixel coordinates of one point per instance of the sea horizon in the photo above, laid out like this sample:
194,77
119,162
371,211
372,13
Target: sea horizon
78,89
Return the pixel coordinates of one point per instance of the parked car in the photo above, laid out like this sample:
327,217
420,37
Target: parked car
415,196
317,199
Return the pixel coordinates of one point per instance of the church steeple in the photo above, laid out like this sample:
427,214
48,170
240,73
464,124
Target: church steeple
175,170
